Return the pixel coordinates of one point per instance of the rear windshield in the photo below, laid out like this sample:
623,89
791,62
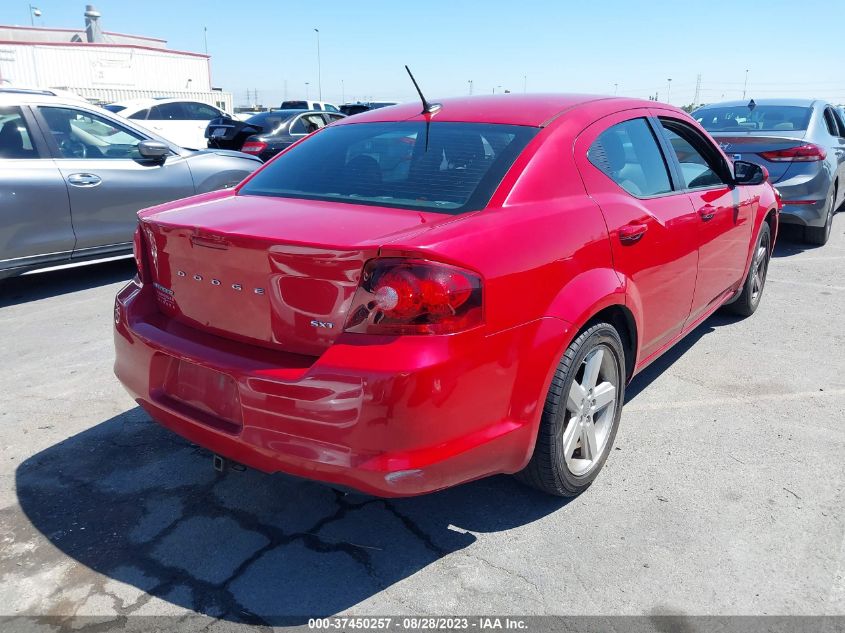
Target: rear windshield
114,108
449,167
269,121
294,105
767,118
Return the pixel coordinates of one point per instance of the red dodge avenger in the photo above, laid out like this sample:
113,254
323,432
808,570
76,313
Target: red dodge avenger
404,301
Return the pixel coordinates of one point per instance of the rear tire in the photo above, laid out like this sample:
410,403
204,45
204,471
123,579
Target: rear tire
752,290
581,414
819,235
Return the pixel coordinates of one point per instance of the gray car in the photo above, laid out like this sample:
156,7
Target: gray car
73,176
802,144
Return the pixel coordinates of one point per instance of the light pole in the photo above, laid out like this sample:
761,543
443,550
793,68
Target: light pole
205,39
745,85
668,89
34,12
469,81
319,68
342,92
494,89
307,83
615,89
524,84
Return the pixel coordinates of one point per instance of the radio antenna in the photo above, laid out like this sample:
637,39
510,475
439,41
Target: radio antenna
428,108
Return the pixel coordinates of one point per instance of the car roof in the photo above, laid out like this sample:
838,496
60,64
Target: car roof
509,109
807,103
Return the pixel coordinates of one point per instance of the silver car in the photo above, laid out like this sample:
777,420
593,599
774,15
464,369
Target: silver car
73,176
802,144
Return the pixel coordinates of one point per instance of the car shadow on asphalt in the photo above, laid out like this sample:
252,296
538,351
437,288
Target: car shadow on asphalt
648,375
138,504
791,242
41,285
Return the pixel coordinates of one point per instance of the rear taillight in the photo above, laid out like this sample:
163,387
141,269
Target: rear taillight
138,251
409,296
254,147
802,154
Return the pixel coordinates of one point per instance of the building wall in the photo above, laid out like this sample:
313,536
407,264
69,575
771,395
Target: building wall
102,66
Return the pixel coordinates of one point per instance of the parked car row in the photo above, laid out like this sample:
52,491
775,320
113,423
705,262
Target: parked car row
266,134
73,177
801,142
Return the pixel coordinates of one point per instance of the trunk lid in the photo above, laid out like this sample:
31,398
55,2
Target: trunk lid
748,147
268,271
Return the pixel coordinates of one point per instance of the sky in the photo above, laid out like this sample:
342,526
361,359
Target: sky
629,48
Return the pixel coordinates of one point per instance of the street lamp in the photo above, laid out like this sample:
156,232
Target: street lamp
745,85
469,81
668,89
34,12
307,83
615,89
319,68
524,84
494,89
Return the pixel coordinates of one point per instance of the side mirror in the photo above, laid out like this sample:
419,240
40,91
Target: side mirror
746,173
154,150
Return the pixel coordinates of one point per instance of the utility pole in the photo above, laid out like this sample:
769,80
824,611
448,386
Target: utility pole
615,89
319,68
745,85
668,88
697,90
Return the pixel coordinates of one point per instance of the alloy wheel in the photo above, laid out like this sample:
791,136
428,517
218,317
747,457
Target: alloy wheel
591,405
759,268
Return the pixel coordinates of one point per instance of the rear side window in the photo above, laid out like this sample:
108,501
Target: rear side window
830,122
307,124
443,167
200,111
167,112
140,115
15,141
629,154
759,118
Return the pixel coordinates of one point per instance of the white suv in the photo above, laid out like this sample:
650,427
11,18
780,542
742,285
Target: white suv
180,121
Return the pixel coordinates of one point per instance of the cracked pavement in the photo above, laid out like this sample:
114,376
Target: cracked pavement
724,494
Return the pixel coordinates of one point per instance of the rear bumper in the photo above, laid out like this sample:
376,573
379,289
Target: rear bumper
392,417
811,193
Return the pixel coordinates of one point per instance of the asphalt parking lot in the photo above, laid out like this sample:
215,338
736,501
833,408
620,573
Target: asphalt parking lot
724,494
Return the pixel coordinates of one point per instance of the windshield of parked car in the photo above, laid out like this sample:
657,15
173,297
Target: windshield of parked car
447,167
114,108
769,118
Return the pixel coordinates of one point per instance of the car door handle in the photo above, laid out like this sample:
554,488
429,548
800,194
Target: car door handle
632,233
707,212
84,180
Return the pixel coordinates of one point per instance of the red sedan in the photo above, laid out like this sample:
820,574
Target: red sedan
406,301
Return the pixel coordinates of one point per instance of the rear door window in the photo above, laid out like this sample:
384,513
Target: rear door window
307,124
15,139
140,115
167,112
830,122
628,153
200,111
